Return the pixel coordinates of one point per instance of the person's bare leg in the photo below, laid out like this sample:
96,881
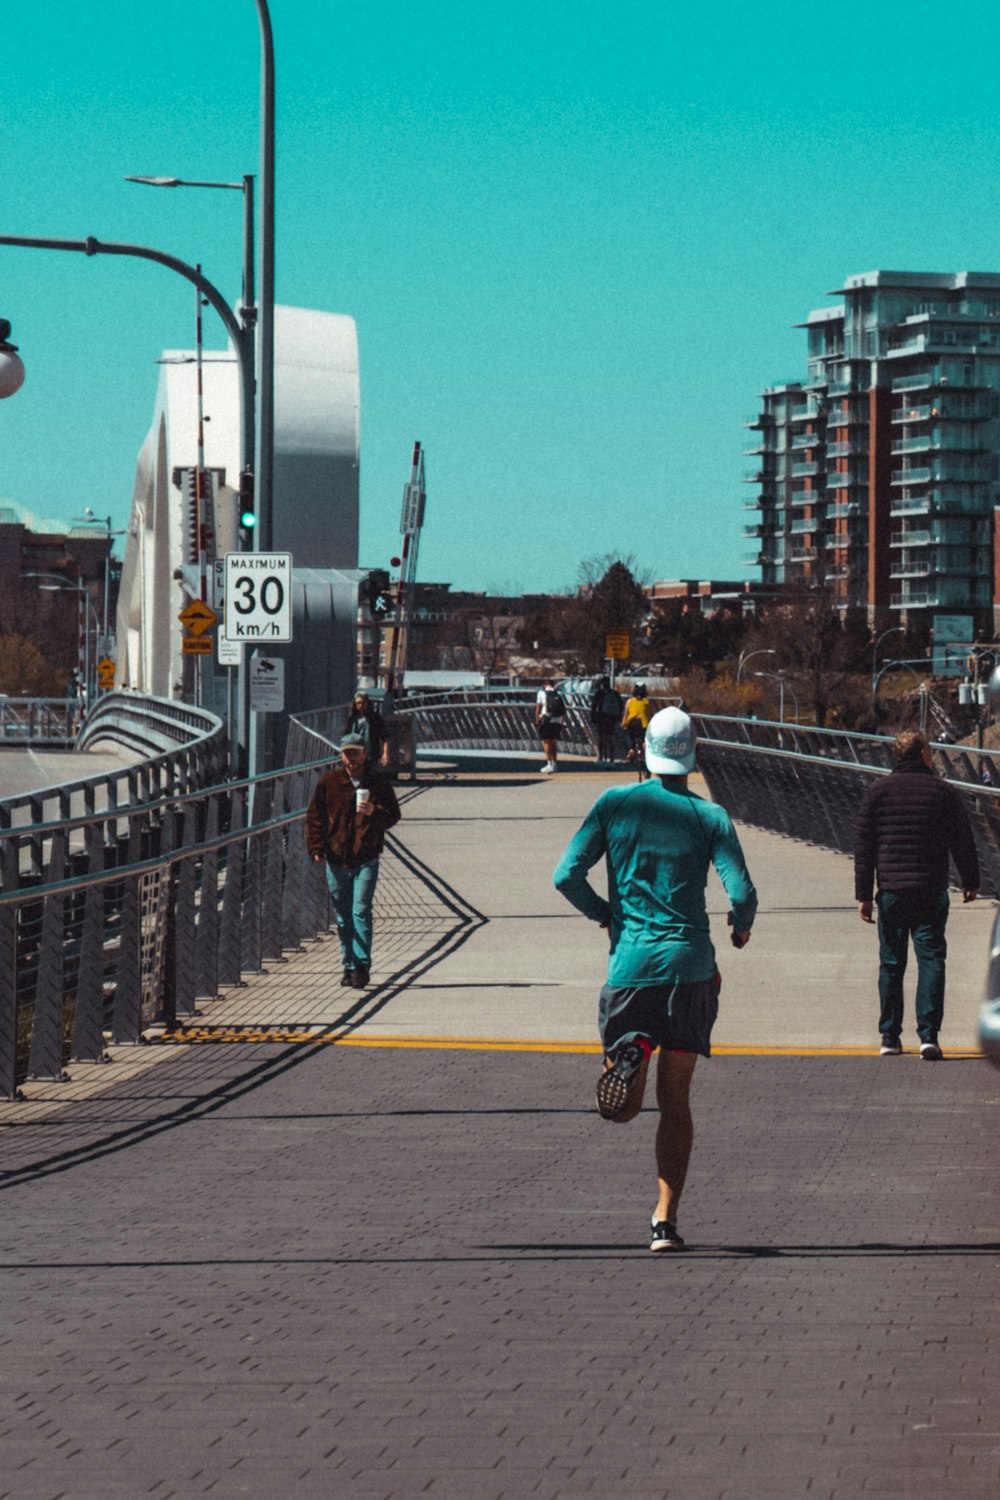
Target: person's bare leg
675,1132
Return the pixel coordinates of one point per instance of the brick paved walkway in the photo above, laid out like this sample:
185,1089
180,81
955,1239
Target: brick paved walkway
372,1272
367,1270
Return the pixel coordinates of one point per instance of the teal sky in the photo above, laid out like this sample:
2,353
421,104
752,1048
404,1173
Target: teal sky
573,237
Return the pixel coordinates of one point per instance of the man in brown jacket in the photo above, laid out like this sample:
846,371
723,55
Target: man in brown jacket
348,815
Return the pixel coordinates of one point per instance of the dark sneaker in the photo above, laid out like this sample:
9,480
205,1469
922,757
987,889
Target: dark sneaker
360,978
347,977
665,1236
890,1047
931,1052
622,1082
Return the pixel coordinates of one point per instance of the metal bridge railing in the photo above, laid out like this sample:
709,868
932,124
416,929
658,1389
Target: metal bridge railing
129,916
815,797
38,721
184,748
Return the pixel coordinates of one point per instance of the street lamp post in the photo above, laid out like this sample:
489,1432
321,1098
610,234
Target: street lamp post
746,656
89,519
893,630
60,584
248,308
779,678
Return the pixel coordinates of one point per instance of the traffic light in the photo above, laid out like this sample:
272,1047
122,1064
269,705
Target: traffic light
248,513
379,597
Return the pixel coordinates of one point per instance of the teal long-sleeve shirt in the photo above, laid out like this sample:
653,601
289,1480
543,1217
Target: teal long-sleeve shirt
657,842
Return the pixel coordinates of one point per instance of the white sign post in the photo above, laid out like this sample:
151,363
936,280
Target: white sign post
258,588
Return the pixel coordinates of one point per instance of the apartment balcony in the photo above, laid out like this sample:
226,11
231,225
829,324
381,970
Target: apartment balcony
914,599
806,471
755,476
912,413
843,450
840,481
805,526
805,440
808,413
759,419
916,444
911,570
912,476
911,538
843,508
754,530
803,554
756,559
926,380
918,507
839,418
806,497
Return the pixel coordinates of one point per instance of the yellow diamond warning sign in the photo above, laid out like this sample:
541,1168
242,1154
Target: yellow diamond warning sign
197,617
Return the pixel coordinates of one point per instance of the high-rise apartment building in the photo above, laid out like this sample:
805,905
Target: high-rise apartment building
878,473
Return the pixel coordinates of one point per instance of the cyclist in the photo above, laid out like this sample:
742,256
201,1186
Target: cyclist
635,722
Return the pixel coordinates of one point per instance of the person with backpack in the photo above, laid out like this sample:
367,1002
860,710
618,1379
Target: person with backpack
605,711
550,711
364,719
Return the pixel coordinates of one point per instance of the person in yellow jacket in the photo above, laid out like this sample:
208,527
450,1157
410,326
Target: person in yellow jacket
635,719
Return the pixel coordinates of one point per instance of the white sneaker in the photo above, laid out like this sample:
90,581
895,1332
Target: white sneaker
547,769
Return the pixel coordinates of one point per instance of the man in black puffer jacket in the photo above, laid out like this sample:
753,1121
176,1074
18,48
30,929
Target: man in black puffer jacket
910,822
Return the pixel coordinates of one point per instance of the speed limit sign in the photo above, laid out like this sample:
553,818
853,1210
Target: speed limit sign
258,597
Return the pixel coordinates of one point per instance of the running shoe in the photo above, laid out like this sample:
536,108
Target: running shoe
890,1047
622,1075
665,1236
931,1052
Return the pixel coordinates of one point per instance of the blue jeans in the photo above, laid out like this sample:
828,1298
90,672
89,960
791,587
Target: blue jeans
920,915
352,893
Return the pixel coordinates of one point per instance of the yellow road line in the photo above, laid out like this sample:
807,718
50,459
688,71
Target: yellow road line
275,1035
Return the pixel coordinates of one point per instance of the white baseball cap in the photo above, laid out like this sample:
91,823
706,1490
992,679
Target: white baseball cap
670,743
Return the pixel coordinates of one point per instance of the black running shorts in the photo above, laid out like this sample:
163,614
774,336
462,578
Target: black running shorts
677,1017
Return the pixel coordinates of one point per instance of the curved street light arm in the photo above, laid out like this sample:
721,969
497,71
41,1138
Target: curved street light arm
761,651
242,340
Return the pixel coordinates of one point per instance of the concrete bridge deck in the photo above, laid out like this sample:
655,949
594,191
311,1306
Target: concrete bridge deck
351,1246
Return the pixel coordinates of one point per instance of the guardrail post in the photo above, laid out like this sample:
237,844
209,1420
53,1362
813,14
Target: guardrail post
8,973
88,1016
45,1055
232,896
207,941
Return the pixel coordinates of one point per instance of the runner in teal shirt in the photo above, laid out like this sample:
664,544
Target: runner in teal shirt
657,840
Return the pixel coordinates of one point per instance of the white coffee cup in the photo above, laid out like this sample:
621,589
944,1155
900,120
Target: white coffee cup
361,796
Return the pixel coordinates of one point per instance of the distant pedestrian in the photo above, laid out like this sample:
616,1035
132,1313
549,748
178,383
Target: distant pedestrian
550,711
909,823
364,719
635,720
657,841
605,712
351,809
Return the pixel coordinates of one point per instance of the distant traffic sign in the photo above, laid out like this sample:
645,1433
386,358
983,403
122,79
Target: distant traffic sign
258,597
617,645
